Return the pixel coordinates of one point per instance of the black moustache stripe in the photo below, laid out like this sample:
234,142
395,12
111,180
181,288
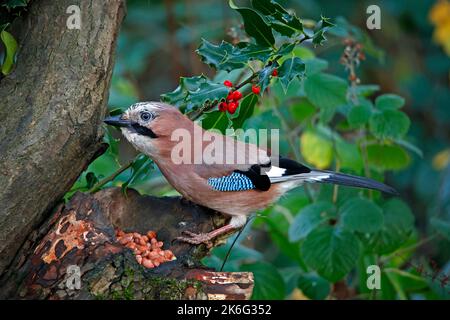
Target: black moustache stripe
143,130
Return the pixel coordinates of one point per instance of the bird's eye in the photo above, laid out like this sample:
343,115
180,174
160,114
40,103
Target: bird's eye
146,116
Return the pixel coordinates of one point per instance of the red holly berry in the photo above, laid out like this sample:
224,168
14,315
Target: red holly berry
232,106
223,106
228,83
230,96
275,73
256,89
236,95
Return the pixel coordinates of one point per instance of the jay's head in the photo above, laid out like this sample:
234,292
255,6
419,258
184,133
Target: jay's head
148,125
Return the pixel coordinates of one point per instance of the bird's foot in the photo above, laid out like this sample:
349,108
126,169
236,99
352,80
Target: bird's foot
197,238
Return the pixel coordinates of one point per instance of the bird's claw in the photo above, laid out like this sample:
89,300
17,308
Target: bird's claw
196,238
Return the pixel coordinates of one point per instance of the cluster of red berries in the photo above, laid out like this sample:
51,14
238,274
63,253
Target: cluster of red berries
147,249
232,101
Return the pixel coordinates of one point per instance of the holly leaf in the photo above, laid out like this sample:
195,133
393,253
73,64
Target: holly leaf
319,38
255,26
359,214
289,70
265,75
245,110
227,57
208,92
215,120
332,252
279,18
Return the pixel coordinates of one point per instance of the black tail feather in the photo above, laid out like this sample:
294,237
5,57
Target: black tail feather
355,181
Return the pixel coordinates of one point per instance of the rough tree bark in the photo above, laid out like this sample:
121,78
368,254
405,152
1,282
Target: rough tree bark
51,108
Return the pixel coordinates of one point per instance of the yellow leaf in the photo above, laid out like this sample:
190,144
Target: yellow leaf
440,12
316,149
441,160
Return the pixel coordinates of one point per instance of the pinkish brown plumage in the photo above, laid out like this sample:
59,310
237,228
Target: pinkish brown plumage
158,130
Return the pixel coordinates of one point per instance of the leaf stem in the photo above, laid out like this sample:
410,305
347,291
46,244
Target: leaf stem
104,181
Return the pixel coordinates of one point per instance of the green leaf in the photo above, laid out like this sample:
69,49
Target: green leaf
361,215
389,124
279,18
309,218
11,48
389,102
319,38
366,90
397,227
227,57
349,156
443,227
315,65
387,157
246,108
268,282
359,115
289,70
265,75
215,120
313,286
255,26
332,252
208,92
326,91
11,4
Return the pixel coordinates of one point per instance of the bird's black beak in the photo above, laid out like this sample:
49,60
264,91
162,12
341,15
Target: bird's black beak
117,121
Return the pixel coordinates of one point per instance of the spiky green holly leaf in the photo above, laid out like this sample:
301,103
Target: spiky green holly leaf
227,57
255,25
278,18
245,110
289,70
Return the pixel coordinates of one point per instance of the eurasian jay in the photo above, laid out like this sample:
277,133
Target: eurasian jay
234,188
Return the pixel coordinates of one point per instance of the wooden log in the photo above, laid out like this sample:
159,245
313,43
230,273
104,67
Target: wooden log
79,243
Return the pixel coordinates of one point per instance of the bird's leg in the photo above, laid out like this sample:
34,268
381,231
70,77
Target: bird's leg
236,222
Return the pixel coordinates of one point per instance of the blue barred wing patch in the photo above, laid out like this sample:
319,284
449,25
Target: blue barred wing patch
234,182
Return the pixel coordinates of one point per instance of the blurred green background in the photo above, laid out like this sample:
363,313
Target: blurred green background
409,56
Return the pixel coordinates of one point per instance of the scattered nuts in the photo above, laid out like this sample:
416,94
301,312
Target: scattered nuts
147,249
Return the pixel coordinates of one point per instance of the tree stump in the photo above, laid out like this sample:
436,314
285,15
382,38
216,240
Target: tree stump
80,240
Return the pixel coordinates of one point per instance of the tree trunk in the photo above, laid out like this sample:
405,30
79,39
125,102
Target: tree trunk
81,237
51,108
